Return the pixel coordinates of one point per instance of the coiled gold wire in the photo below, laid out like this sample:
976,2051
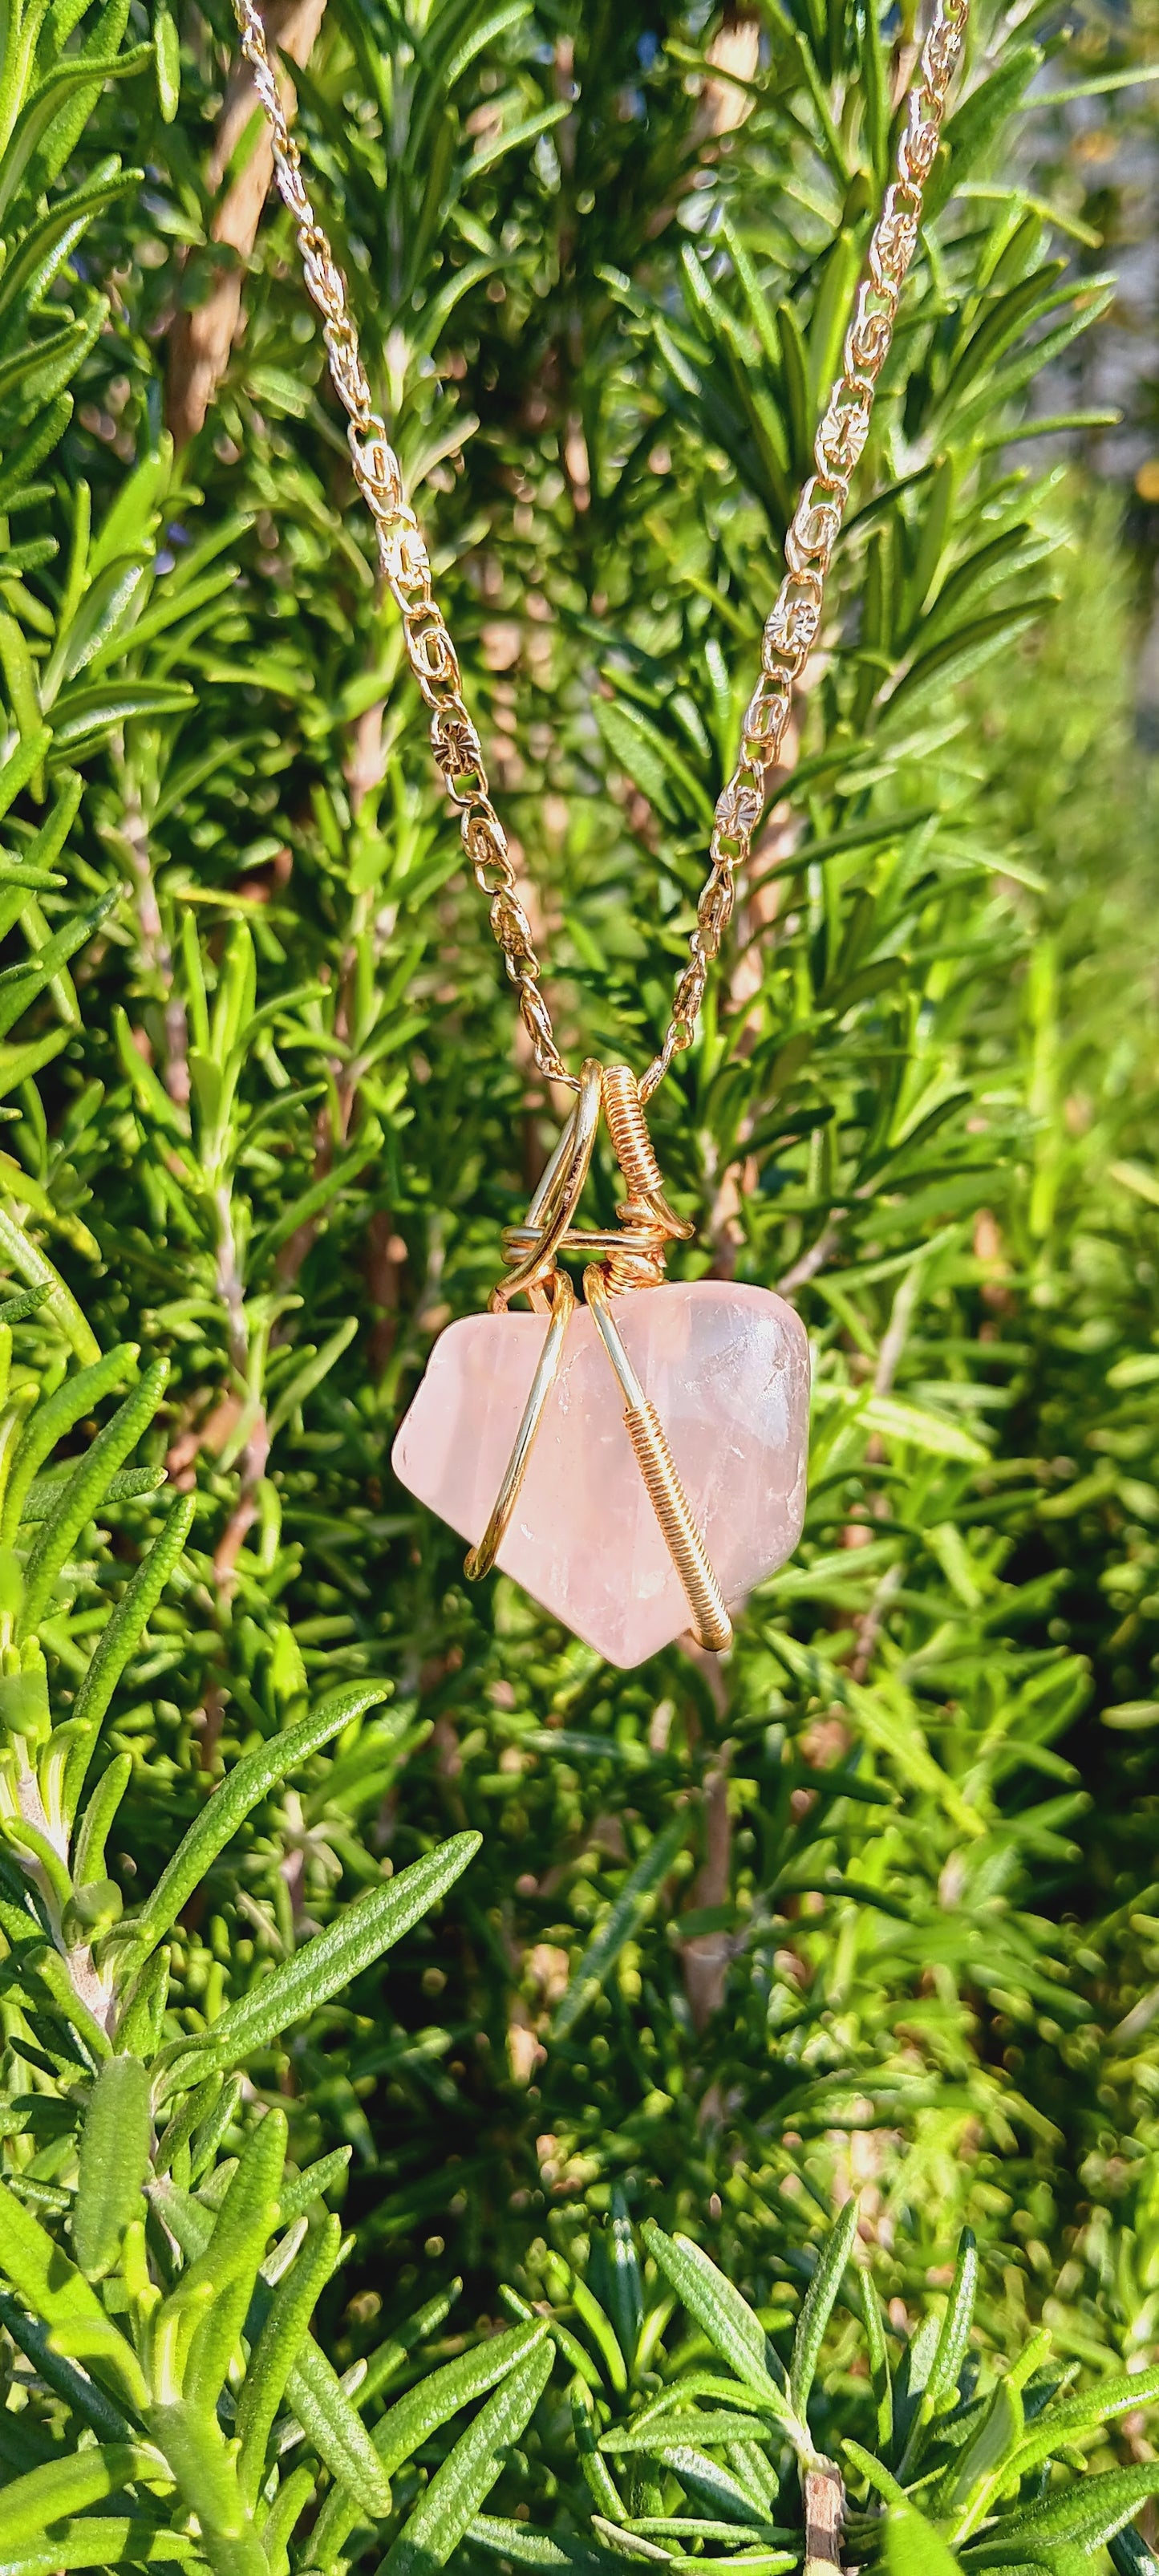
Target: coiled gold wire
710,1619
647,1224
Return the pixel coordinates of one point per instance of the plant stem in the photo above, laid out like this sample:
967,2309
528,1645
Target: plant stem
824,2519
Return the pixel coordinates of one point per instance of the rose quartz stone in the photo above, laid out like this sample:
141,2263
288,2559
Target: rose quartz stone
727,1368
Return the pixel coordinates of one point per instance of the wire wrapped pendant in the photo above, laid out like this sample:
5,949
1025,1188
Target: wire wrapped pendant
630,1500
637,1463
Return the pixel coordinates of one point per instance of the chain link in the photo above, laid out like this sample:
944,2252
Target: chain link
794,620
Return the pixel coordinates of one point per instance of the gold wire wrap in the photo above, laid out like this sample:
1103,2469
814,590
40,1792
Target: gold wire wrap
711,1624
647,1222
710,1620
628,1129
562,1300
532,1247
631,1258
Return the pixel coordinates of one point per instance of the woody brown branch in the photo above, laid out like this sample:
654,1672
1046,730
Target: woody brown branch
706,1955
824,2519
202,337
255,1454
155,952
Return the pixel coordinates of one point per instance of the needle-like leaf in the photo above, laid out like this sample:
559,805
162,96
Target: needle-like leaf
817,2306
323,1966
114,2156
458,2488
250,1782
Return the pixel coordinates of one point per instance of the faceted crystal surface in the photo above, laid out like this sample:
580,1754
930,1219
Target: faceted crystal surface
727,1368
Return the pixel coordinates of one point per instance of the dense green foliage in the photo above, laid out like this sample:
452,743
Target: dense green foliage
781,2073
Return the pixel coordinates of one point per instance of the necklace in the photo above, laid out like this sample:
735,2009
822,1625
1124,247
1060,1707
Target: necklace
635,1498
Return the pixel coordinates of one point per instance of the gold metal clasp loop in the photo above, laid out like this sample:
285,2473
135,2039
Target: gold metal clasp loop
533,1246
645,1224
632,1257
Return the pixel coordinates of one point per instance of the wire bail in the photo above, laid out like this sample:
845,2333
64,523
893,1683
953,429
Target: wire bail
618,1263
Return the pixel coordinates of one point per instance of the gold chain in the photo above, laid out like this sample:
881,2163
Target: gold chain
793,623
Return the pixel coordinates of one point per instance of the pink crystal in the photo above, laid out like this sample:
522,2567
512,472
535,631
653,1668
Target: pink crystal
727,1368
